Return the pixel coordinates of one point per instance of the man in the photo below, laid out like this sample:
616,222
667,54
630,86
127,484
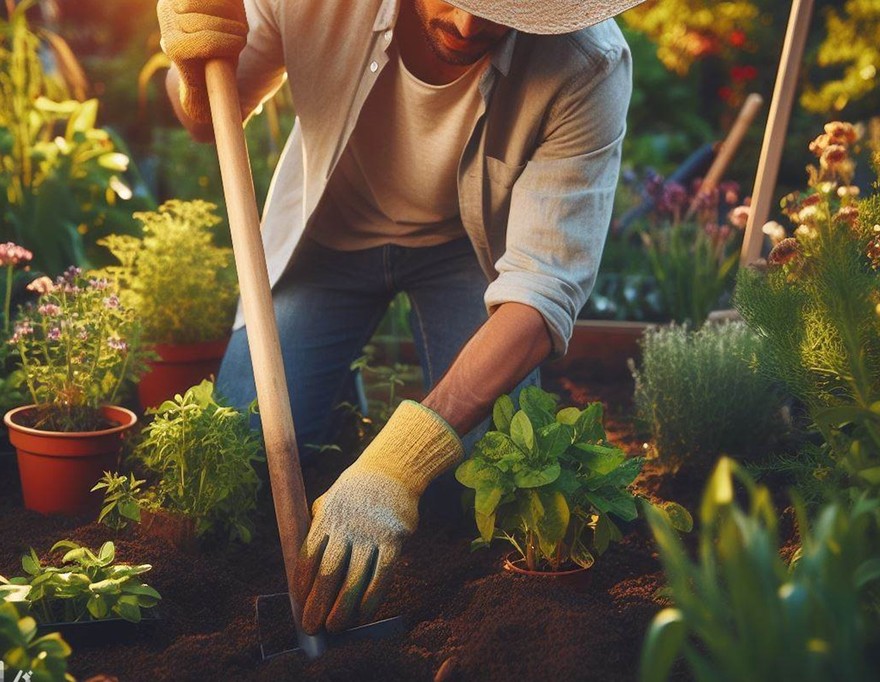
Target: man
464,152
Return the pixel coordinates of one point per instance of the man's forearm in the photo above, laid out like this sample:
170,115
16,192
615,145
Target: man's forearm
511,343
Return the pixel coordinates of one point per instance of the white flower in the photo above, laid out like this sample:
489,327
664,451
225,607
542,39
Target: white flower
775,231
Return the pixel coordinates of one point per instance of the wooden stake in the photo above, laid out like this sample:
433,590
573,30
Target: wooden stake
285,475
777,127
728,148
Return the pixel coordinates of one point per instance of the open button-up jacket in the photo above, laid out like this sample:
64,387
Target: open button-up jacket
536,178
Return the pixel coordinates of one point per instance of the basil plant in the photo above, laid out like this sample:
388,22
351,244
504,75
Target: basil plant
548,481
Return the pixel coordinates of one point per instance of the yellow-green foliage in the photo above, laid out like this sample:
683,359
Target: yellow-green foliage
818,305
686,30
852,44
179,282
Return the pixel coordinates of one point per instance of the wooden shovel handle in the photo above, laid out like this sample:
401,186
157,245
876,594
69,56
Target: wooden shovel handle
282,456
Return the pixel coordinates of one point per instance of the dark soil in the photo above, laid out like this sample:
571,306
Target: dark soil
461,610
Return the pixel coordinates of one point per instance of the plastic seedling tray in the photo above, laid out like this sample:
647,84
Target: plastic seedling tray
88,633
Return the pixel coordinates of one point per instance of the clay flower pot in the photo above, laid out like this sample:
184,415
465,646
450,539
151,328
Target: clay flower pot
179,367
577,577
58,469
179,530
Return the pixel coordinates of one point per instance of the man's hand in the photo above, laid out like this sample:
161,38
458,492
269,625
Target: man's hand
195,32
359,525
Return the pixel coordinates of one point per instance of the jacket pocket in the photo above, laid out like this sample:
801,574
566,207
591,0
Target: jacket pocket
503,174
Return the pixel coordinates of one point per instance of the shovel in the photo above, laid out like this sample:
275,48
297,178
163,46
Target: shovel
282,456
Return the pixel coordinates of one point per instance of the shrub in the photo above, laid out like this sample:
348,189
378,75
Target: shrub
740,614
549,483
699,394
817,304
181,283
201,455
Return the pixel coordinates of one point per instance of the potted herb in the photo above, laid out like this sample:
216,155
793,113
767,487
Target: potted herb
87,586
77,347
122,500
548,482
199,455
183,288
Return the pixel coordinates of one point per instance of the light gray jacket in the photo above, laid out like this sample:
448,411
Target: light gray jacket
537,176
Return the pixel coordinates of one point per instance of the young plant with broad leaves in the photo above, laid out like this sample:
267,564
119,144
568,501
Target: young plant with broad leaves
21,650
86,586
549,482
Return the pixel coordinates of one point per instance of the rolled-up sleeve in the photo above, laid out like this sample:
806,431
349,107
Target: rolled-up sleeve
561,204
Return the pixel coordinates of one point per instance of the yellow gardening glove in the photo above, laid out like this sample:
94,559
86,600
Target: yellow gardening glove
194,32
359,524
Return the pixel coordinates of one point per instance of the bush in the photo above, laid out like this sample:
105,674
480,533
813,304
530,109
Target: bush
21,650
181,284
741,614
202,455
699,394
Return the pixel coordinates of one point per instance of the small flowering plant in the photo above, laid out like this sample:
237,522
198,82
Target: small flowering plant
77,347
13,258
817,302
692,240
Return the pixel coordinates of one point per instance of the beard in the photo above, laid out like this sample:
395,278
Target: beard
433,30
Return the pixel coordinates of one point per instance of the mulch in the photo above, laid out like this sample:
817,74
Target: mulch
463,613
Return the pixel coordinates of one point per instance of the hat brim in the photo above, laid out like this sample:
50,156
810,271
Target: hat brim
545,17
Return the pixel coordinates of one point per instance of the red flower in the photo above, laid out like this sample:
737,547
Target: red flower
738,38
741,74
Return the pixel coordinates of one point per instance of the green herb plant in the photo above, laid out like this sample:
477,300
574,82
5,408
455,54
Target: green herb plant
699,395
548,482
741,614
200,456
22,651
78,346
122,500
13,259
86,586
62,178
181,284
816,304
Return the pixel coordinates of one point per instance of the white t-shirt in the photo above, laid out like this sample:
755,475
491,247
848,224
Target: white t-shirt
396,181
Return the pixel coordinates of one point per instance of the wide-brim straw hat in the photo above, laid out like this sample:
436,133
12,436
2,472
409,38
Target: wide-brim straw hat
545,16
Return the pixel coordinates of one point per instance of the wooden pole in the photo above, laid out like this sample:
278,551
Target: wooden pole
729,147
777,127
285,475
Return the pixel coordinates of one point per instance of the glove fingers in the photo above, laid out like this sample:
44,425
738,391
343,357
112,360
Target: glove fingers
331,573
360,571
381,581
213,8
307,564
201,45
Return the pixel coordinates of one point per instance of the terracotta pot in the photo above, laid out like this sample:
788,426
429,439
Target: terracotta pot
178,530
179,367
576,577
58,469
601,349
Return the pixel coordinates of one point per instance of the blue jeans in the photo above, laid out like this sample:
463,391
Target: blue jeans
329,303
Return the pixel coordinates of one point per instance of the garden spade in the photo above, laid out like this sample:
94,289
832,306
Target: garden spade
285,475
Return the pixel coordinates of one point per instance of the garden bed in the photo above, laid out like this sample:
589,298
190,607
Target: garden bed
457,604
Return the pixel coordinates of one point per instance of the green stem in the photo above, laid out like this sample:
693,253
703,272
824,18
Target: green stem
7,301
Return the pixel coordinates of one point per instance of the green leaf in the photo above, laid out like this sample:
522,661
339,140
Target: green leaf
475,472
521,432
588,426
528,478
548,514
871,475
581,554
599,459
679,517
97,606
568,416
487,498
662,646
503,412
30,563
496,446
538,405
553,440
719,491
621,503
127,608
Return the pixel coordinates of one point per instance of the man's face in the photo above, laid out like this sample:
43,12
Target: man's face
455,36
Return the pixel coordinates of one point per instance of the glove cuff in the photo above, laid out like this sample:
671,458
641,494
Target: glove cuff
415,447
194,99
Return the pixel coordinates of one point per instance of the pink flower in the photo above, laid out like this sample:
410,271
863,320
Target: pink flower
112,301
54,334
117,344
22,329
49,310
13,255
